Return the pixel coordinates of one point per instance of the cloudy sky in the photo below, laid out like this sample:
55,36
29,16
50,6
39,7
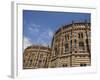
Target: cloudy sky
39,26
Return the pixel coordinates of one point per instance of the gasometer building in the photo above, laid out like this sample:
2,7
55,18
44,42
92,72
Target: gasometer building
70,47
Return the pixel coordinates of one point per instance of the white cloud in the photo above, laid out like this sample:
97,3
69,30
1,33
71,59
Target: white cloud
34,28
35,25
27,42
45,37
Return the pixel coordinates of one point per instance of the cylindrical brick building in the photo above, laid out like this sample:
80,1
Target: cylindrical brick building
36,56
71,46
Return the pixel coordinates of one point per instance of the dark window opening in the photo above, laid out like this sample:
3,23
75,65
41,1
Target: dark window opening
87,44
75,43
55,51
82,64
24,61
81,45
75,51
67,37
64,65
71,44
31,62
80,35
40,61
66,47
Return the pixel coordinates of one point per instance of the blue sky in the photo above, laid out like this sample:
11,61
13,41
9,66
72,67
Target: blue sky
39,26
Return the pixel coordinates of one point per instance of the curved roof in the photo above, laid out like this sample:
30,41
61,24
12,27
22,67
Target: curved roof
37,47
70,25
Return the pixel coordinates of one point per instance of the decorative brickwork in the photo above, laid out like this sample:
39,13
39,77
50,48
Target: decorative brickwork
71,47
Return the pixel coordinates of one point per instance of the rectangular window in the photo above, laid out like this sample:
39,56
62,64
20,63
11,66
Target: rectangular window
71,44
79,35
55,51
71,35
75,43
31,62
67,37
66,47
81,46
75,34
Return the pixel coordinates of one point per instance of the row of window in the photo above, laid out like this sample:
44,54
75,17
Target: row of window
80,35
31,61
65,65
81,45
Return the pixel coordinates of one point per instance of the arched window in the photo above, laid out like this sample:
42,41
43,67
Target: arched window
75,34
80,35
81,45
41,56
66,47
71,35
30,61
55,51
67,37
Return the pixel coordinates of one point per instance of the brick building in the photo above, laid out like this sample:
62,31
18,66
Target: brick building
36,57
71,47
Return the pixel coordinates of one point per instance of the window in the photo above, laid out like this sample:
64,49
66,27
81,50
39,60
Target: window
67,37
30,61
82,64
41,56
64,65
40,61
81,45
89,34
71,35
71,44
87,44
24,61
66,47
75,34
39,64
75,51
80,35
55,51
75,43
